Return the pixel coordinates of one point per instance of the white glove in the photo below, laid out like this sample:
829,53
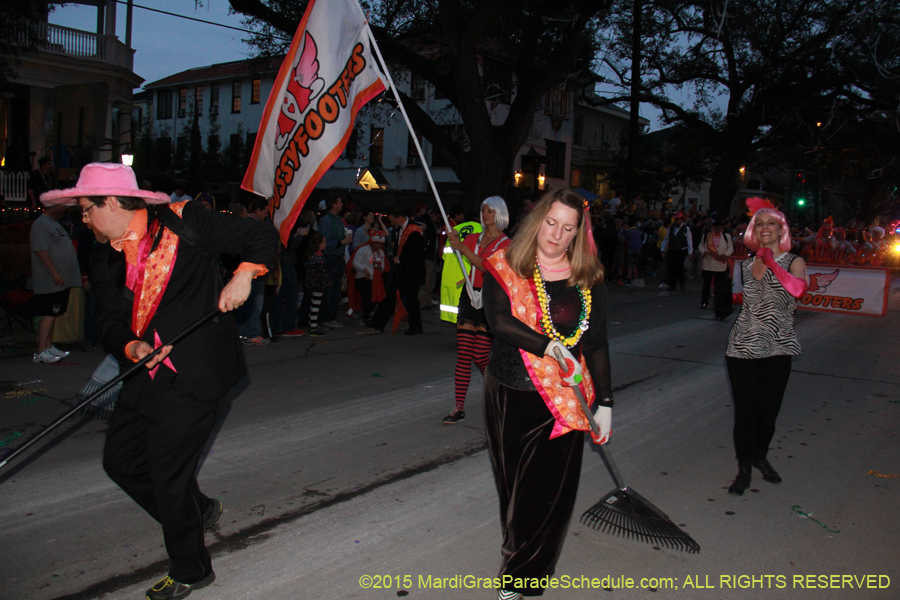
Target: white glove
571,374
603,418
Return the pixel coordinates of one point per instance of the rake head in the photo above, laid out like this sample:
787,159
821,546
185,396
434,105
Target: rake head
626,513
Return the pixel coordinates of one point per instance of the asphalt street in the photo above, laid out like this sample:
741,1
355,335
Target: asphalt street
339,480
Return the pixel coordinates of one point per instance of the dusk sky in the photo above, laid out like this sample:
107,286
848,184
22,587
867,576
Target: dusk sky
165,45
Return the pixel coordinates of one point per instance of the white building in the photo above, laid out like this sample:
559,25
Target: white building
380,150
70,99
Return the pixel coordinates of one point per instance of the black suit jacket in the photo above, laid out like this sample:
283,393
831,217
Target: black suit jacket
411,272
209,361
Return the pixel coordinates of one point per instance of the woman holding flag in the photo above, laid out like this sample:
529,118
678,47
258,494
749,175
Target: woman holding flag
543,294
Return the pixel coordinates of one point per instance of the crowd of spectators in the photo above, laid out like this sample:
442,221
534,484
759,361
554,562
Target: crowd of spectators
361,265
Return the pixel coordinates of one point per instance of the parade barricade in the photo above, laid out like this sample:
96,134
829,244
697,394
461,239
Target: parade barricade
840,289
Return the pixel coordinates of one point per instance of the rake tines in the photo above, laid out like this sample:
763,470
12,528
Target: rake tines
627,514
623,511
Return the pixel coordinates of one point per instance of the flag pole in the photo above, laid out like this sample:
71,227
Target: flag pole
415,139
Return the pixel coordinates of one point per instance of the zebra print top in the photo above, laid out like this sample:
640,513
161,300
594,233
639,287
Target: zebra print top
765,325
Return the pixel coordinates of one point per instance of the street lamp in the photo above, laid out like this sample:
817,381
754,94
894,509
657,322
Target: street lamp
127,159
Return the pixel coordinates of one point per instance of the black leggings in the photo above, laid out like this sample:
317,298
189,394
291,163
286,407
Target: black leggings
757,386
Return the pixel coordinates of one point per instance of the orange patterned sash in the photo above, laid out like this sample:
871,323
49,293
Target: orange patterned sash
148,280
543,370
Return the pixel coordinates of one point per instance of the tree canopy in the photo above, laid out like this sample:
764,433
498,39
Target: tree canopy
757,69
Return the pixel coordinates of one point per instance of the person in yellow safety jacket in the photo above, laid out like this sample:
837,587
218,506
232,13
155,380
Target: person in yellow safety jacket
452,277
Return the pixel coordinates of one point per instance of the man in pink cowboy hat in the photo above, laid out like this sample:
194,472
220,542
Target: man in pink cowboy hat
156,277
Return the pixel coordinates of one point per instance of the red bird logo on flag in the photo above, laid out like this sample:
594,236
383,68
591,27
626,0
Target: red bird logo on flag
819,282
304,85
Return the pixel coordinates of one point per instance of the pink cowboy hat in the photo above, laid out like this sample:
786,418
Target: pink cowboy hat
104,179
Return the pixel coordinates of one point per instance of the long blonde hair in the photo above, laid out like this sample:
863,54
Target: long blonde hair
586,267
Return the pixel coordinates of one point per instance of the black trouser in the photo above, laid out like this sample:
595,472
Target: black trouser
153,446
708,278
675,267
409,298
364,287
757,386
536,477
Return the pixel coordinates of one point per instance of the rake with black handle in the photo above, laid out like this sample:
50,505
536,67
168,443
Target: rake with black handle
623,511
110,384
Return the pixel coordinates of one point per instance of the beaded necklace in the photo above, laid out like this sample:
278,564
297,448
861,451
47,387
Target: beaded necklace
547,322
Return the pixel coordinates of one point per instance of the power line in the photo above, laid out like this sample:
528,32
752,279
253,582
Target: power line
156,10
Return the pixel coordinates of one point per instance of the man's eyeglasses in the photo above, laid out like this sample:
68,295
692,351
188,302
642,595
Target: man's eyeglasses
85,211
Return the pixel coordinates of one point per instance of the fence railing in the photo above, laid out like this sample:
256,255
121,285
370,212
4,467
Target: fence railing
77,43
13,185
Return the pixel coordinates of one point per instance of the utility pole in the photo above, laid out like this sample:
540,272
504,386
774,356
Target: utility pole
634,124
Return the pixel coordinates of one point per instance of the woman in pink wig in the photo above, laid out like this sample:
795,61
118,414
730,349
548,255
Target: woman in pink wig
762,340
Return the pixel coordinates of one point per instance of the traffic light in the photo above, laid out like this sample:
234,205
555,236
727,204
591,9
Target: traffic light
801,201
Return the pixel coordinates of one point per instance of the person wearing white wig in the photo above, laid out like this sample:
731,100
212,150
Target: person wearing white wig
473,337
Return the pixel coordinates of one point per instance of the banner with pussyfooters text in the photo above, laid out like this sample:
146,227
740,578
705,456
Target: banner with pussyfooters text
839,289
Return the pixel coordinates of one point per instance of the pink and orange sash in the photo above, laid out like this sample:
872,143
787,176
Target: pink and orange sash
543,370
149,278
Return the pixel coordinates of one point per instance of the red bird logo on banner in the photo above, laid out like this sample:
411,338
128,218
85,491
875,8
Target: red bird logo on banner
304,85
819,282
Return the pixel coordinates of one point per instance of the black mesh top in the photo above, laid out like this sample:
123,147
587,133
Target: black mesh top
510,333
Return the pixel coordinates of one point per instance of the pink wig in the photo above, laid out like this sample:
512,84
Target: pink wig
750,239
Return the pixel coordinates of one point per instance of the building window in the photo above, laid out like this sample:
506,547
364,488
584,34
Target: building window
496,80
556,159
214,99
164,104
599,136
376,149
198,100
182,102
575,178
251,143
556,103
578,132
350,149
416,88
254,91
236,97
412,157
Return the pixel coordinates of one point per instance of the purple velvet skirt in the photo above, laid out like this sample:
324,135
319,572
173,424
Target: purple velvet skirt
537,481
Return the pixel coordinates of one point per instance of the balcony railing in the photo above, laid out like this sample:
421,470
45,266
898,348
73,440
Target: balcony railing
56,39
13,185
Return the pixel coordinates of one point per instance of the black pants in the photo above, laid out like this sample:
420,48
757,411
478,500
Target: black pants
757,386
536,477
722,305
409,296
364,287
153,446
675,267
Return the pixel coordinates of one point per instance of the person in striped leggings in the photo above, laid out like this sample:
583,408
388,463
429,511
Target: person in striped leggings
473,338
316,281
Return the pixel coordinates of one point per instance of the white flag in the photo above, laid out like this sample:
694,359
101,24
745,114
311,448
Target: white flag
329,73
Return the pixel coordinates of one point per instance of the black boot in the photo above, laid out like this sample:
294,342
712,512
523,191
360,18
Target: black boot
768,473
742,481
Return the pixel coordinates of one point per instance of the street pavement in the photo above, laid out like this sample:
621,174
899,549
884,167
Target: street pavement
339,480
